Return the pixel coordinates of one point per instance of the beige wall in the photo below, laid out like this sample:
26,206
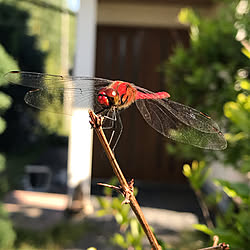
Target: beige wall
143,14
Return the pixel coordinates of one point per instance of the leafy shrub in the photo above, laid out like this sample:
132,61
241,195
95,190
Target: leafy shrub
7,234
202,76
215,71
131,233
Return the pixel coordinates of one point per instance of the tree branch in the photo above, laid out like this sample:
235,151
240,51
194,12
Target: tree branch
96,122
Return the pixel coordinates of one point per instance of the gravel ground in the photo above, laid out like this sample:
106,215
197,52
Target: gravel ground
166,223
169,210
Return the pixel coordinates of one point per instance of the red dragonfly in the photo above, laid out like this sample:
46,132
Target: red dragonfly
173,120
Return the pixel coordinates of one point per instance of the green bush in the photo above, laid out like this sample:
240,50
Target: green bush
238,112
212,75
131,233
202,75
7,234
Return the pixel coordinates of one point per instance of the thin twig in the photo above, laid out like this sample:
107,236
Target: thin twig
96,122
221,246
204,209
120,190
216,240
216,246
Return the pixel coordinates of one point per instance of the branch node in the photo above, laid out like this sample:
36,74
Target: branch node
118,189
224,246
216,246
96,121
127,193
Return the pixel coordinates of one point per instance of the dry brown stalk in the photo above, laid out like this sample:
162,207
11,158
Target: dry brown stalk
216,246
96,122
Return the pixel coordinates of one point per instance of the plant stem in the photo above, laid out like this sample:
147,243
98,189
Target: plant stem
204,209
96,122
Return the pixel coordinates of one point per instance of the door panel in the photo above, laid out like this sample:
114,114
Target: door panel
135,54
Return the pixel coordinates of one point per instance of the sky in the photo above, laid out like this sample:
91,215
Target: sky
73,4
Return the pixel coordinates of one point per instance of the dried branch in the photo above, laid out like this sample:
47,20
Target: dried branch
221,246
216,246
246,44
96,122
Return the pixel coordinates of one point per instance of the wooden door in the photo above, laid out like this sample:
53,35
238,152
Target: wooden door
135,55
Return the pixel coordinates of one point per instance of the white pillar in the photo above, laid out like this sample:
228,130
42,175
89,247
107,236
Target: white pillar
80,141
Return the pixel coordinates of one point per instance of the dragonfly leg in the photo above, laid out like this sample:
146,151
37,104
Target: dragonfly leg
112,121
109,120
116,133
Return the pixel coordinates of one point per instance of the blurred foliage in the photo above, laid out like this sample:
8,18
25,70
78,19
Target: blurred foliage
46,24
197,174
216,71
32,34
131,233
202,76
5,100
238,112
21,46
55,32
233,225
7,234
15,38
57,237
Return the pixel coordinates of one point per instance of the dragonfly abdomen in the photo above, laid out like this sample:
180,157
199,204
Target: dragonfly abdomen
158,95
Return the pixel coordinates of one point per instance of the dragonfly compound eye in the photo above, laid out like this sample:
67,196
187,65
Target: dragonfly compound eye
103,99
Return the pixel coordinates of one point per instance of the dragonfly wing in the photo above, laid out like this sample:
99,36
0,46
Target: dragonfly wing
34,80
191,117
187,115
181,123
59,93
54,100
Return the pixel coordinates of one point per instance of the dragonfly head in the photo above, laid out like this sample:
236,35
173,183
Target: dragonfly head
107,97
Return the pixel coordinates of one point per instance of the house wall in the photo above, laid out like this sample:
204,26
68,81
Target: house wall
148,14
133,39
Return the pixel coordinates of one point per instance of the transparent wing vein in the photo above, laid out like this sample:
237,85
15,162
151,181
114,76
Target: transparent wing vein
187,125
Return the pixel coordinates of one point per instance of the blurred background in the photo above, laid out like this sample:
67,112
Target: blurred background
198,51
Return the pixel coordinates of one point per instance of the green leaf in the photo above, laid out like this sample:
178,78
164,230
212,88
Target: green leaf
2,125
241,190
203,228
102,212
119,218
119,240
134,228
125,210
197,173
245,84
129,238
2,163
7,234
245,52
5,101
7,63
104,202
116,203
187,16
187,170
